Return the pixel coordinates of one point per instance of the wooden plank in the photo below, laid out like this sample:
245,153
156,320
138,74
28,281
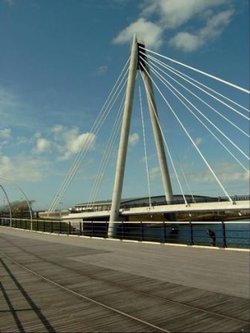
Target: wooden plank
41,306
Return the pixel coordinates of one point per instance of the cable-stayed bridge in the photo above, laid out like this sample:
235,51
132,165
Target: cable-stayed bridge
177,91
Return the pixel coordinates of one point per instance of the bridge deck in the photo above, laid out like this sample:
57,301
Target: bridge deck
52,283
194,207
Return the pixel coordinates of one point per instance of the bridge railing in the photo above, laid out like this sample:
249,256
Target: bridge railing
219,233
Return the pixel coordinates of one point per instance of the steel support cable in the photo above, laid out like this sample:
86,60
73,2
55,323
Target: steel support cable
168,85
87,144
183,174
102,115
110,148
192,141
185,180
74,167
183,77
165,142
145,149
82,153
165,82
202,100
100,119
106,157
198,117
104,164
99,179
196,81
204,115
200,72
208,88
211,107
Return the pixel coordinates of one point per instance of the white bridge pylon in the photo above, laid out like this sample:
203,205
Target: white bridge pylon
201,102
122,152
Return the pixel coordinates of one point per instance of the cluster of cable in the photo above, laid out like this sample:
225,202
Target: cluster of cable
151,64
116,91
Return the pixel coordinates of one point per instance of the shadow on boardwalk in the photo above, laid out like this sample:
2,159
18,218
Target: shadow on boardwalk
22,292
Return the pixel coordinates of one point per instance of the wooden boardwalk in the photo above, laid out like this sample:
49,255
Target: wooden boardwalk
52,283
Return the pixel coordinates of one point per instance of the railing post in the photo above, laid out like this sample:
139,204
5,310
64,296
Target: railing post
141,231
191,233
164,232
106,230
69,230
224,234
122,229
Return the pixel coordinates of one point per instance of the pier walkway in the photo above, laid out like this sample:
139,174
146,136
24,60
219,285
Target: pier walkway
52,283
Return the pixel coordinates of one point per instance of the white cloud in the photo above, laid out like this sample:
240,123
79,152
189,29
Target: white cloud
78,143
225,172
57,129
189,42
14,111
154,173
186,41
174,13
216,24
198,141
133,139
22,168
102,70
9,2
43,145
70,141
7,100
146,31
5,133
159,16
20,140
62,141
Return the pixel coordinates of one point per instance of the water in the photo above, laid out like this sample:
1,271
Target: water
229,234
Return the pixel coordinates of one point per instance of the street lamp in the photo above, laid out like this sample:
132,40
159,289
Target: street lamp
6,196
26,198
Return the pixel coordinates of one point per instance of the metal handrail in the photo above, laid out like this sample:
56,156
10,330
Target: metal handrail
227,233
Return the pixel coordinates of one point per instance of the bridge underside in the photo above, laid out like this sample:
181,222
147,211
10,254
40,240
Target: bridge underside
241,207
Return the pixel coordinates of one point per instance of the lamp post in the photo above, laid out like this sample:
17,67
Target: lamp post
6,196
26,199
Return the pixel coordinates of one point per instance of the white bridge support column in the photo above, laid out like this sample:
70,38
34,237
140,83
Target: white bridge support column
157,135
122,152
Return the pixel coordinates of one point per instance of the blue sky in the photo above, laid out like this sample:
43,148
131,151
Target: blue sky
59,59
